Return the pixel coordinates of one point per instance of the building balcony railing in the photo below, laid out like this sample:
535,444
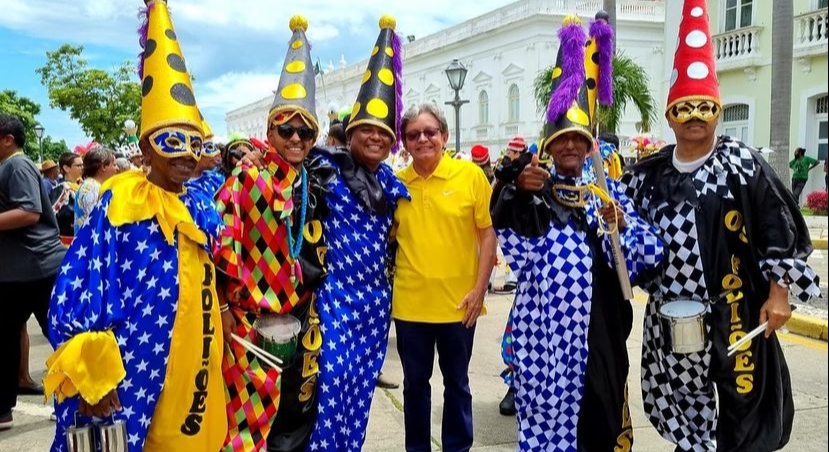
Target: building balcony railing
737,49
810,36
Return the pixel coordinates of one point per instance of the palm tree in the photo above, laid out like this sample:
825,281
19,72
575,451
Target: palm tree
781,86
630,84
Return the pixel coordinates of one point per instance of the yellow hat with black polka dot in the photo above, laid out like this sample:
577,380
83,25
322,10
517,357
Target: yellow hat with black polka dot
568,110
167,96
297,91
380,99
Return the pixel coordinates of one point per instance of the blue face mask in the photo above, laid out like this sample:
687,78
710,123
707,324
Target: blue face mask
209,149
172,142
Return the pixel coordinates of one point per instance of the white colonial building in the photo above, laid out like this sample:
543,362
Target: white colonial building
503,50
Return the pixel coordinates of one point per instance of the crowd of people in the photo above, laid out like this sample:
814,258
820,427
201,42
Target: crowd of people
239,297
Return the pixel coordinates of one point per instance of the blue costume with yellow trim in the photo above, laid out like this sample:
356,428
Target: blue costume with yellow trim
134,283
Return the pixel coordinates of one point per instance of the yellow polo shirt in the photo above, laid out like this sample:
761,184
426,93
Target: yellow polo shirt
437,261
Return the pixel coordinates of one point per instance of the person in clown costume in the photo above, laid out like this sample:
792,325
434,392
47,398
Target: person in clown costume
570,321
736,245
135,295
270,260
207,175
355,298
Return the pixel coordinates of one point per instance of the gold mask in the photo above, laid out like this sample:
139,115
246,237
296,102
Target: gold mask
704,110
171,142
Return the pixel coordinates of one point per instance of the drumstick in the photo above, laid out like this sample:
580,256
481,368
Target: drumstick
254,348
261,354
732,349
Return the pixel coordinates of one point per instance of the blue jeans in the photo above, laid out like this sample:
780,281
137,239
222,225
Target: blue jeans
416,344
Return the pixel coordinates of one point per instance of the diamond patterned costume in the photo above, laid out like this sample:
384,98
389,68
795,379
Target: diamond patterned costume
256,267
569,321
730,228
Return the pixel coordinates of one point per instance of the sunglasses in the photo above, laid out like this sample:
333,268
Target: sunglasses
414,135
287,131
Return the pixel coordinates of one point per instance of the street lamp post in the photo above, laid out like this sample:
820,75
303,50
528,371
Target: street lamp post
456,73
39,129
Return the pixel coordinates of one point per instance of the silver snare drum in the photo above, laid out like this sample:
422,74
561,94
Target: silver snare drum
683,325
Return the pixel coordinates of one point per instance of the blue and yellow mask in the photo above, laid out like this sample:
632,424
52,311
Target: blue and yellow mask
170,142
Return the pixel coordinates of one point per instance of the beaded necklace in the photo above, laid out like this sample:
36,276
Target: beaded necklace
295,244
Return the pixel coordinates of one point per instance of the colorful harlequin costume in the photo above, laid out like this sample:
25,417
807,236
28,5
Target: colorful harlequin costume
354,301
135,296
731,229
569,321
269,214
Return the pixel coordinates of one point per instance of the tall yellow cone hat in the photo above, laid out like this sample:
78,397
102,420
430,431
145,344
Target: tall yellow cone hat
297,84
167,96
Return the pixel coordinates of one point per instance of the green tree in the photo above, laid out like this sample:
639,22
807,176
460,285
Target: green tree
782,41
99,100
630,85
53,149
25,109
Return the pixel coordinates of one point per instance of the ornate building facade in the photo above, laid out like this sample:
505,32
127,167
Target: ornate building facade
503,50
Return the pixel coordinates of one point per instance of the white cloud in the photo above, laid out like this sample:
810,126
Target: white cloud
233,48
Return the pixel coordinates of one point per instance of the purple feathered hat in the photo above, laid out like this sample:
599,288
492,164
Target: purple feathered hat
568,109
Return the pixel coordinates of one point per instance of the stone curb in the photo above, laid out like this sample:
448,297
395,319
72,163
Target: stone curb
808,326
819,244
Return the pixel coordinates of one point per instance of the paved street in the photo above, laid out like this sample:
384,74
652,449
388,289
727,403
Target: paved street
493,432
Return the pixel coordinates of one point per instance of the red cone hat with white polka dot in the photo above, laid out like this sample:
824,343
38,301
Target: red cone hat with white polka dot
167,96
694,77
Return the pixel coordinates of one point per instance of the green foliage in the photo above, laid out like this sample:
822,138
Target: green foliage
99,100
52,149
25,109
630,84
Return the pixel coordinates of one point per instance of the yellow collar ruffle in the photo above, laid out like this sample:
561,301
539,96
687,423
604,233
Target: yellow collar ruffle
135,199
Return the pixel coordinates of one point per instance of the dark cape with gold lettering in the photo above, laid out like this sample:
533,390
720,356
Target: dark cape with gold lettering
730,229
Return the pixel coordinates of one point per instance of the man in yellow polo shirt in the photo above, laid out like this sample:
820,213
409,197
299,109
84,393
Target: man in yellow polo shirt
445,256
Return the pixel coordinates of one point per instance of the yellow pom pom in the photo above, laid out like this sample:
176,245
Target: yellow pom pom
388,21
298,22
571,19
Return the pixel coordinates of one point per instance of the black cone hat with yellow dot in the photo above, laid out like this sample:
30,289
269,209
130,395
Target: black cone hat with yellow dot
568,110
379,101
297,89
167,96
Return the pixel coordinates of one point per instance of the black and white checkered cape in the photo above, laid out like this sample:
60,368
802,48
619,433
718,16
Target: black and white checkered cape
678,394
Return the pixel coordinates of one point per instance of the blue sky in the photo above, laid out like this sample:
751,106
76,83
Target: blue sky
234,48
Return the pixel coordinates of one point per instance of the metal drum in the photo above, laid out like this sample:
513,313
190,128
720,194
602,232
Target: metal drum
80,439
683,325
277,335
113,437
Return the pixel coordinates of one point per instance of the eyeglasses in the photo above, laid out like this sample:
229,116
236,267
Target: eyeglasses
286,131
77,165
414,135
